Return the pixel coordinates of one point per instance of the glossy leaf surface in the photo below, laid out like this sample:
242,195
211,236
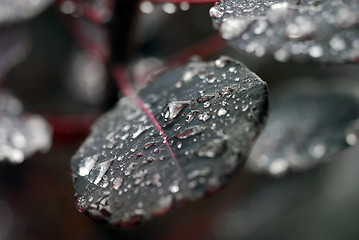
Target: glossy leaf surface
325,31
185,135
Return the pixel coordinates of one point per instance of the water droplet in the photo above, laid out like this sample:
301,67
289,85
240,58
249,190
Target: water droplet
190,131
102,169
206,104
191,115
140,130
222,112
204,98
225,91
117,182
245,107
216,12
211,148
204,116
87,164
172,109
221,62
174,188
177,127
179,145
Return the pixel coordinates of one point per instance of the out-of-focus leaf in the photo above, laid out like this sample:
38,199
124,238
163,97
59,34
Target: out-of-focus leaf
306,126
19,10
325,31
21,135
208,114
13,47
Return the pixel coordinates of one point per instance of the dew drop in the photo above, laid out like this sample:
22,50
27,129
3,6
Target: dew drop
222,112
172,109
204,116
216,12
190,131
204,98
117,183
190,116
174,188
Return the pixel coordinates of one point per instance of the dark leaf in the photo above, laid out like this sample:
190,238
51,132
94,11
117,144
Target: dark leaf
306,126
163,147
21,135
325,31
18,10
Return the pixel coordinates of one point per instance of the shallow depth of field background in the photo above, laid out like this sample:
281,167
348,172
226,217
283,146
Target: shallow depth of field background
36,197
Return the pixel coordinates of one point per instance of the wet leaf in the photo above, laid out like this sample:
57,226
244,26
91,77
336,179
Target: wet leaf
19,10
21,135
156,150
325,31
306,126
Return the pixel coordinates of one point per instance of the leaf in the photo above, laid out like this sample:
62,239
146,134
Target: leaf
19,10
325,31
185,135
21,134
307,125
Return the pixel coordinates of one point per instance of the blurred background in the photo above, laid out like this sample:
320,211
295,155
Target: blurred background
58,71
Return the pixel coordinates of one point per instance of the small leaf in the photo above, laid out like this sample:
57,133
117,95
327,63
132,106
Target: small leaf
305,127
325,31
140,161
19,10
21,135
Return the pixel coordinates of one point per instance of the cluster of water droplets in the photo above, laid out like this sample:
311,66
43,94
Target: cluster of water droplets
325,31
21,135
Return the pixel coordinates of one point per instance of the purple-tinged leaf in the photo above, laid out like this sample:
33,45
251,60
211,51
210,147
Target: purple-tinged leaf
156,149
19,10
307,125
21,134
325,31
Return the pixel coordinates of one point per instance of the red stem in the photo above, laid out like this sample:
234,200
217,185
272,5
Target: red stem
122,80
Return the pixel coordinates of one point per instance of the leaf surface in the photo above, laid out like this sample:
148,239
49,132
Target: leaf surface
181,137
324,31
